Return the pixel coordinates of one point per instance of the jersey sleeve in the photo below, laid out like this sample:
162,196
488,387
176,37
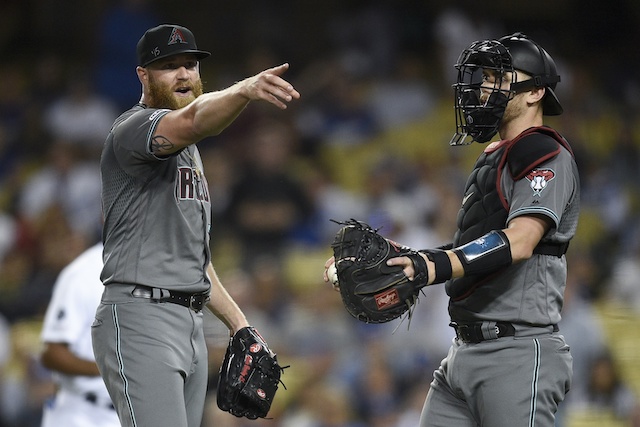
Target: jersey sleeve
132,140
545,190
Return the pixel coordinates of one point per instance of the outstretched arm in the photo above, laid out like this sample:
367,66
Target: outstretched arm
212,112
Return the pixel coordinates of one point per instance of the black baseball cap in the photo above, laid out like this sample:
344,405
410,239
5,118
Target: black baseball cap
166,40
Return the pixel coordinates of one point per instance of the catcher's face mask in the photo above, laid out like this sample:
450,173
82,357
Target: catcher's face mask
482,91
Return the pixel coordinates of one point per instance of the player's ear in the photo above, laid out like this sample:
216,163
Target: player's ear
536,94
143,75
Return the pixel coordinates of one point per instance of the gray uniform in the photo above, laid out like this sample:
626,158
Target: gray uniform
516,378
151,352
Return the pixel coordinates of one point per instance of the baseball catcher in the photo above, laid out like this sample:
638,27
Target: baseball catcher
505,270
249,376
371,290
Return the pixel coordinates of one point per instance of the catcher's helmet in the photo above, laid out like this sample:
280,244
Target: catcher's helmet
479,119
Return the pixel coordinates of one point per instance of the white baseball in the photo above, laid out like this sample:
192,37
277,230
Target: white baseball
332,274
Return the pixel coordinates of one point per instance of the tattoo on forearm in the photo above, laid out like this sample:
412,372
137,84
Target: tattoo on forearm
160,144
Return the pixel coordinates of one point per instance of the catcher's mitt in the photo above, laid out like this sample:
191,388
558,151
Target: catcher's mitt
372,291
249,376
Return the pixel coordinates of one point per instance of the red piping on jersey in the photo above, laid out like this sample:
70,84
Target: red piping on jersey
540,129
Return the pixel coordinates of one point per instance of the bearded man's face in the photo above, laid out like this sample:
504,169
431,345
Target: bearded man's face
164,95
174,82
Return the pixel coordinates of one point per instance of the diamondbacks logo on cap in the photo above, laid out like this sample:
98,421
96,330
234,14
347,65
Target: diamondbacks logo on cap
167,40
176,37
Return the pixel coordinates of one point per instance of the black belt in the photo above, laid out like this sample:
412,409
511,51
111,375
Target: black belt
482,331
195,302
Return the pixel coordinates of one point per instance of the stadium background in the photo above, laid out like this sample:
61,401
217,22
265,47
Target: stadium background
368,139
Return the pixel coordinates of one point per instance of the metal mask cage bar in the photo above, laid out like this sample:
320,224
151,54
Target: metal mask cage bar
479,105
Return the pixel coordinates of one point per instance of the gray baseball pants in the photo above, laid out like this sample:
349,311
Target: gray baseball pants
153,359
506,382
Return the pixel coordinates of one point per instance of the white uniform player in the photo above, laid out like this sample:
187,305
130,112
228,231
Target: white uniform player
81,399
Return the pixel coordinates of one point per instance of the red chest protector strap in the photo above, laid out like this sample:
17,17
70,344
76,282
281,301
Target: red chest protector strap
531,148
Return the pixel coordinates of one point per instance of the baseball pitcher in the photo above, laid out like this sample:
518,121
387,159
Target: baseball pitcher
148,332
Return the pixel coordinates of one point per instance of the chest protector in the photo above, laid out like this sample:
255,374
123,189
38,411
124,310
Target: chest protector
484,207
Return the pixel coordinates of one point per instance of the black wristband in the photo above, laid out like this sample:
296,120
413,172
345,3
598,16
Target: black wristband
442,263
421,277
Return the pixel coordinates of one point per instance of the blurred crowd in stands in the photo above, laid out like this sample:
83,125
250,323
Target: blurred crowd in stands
368,140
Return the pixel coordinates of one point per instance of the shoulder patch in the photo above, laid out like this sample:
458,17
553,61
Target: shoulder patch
529,152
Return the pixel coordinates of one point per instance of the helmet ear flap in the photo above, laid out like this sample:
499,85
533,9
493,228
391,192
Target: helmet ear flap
551,104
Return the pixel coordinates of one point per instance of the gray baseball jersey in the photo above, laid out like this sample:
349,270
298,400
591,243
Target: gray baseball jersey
530,292
157,211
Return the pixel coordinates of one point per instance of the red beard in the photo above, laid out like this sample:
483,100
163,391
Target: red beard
161,96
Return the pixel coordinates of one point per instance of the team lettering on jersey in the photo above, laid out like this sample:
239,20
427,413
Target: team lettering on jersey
191,185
